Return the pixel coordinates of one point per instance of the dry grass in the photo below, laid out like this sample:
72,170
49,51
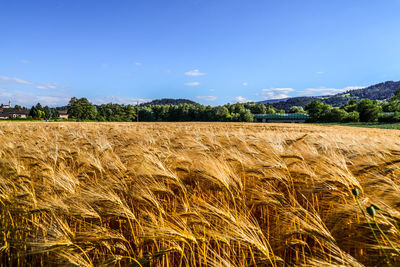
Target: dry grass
186,194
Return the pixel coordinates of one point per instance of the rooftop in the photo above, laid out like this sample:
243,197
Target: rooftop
282,116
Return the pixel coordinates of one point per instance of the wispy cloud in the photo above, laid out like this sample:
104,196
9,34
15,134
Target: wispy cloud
46,86
194,72
37,85
192,84
354,88
120,100
271,95
48,100
319,72
30,98
207,98
13,80
242,99
25,61
138,64
329,91
212,90
276,93
244,84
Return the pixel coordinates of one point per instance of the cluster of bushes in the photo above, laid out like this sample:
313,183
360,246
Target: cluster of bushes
389,117
365,110
39,112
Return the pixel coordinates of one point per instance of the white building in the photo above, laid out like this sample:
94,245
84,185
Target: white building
6,106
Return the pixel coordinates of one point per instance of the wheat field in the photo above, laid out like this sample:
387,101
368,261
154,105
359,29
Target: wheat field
197,194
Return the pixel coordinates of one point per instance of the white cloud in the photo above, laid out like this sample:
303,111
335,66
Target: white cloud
242,99
329,91
41,86
192,84
194,72
276,93
207,98
138,64
13,80
46,86
52,100
212,90
244,83
25,61
31,96
272,95
120,100
286,90
319,72
28,99
353,88
5,93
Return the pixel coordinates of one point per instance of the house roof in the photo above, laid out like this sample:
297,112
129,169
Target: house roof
11,111
284,116
62,112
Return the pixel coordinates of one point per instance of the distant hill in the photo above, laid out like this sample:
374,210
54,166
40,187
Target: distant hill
168,101
272,101
380,91
301,101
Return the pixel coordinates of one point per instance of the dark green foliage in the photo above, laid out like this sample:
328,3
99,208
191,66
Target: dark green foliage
318,111
350,106
322,112
396,95
353,116
221,113
81,109
39,112
115,112
392,106
335,115
296,109
196,112
368,110
389,117
246,116
256,108
146,114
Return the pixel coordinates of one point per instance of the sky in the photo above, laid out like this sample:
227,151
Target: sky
211,51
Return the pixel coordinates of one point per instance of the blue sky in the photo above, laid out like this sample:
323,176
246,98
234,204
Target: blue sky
210,51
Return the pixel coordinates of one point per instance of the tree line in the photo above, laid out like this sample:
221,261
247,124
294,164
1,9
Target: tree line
82,109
